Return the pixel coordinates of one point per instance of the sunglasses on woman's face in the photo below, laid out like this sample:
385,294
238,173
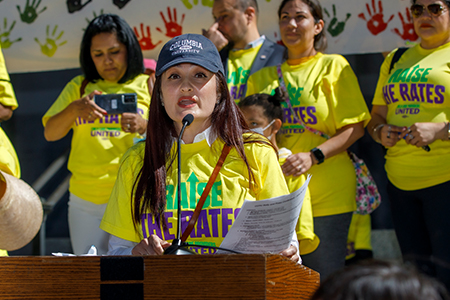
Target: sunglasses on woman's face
434,9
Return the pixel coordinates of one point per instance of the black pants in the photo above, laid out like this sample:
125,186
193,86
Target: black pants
329,257
422,224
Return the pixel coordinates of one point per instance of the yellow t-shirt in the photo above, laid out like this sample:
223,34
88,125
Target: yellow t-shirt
239,64
307,239
9,162
97,146
222,205
3,253
325,95
416,90
359,235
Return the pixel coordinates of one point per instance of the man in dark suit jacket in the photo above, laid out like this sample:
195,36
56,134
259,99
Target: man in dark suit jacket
243,50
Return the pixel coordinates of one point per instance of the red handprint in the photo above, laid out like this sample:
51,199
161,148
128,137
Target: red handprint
146,40
173,29
279,42
408,28
376,23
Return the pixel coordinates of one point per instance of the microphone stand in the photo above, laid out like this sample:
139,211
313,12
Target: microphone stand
179,247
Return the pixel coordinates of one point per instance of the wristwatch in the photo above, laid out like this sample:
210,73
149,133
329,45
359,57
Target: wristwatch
318,154
448,131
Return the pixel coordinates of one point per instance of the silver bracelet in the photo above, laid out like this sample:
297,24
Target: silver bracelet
376,129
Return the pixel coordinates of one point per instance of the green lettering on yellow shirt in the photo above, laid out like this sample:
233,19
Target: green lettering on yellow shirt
415,74
195,188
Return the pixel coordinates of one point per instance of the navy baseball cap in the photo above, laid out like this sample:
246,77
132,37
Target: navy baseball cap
189,48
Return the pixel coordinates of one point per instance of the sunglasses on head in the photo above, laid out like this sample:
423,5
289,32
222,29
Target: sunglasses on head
434,9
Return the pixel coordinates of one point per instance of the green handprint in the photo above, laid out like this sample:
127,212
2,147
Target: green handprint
5,43
95,16
29,13
50,46
335,28
188,4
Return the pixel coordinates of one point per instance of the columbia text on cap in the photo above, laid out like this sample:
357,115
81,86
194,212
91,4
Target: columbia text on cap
189,48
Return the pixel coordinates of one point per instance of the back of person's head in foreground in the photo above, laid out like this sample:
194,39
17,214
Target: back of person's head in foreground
380,280
210,107
110,23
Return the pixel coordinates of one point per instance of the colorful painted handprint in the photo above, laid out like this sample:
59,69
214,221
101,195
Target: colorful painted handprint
5,42
95,16
30,12
173,29
145,40
376,23
76,5
120,3
408,28
50,46
189,5
336,27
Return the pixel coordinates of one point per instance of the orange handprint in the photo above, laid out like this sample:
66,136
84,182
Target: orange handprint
173,29
376,23
408,28
145,41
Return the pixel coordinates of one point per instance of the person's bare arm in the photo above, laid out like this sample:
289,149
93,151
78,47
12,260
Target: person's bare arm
299,163
5,112
60,124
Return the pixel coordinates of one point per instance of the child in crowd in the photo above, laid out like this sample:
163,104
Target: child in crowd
264,115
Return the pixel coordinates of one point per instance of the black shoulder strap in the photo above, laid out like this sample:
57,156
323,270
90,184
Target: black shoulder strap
397,56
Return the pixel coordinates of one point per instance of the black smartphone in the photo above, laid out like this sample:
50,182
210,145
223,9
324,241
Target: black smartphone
117,103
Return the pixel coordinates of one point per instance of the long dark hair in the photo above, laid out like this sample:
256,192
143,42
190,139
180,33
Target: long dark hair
149,189
320,40
110,23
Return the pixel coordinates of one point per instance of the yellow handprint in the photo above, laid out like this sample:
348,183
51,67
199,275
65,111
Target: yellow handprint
190,5
50,46
5,42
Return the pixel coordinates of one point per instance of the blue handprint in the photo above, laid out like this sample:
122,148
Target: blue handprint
29,13
5,42
50,46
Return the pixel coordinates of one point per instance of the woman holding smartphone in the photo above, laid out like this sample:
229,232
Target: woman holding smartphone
112,63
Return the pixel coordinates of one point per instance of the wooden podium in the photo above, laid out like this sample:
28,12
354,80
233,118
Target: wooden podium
256,276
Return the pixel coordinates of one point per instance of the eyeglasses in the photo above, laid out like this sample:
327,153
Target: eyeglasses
434,9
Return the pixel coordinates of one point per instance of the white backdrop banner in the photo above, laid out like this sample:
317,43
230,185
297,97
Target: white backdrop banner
42,35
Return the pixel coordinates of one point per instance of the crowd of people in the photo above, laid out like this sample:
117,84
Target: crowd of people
298,111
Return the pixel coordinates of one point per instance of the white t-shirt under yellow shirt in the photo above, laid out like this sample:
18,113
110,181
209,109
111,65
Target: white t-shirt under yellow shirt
227,195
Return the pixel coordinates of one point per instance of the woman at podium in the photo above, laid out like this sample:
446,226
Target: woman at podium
141,215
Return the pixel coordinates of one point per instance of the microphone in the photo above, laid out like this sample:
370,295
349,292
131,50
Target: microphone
178,247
